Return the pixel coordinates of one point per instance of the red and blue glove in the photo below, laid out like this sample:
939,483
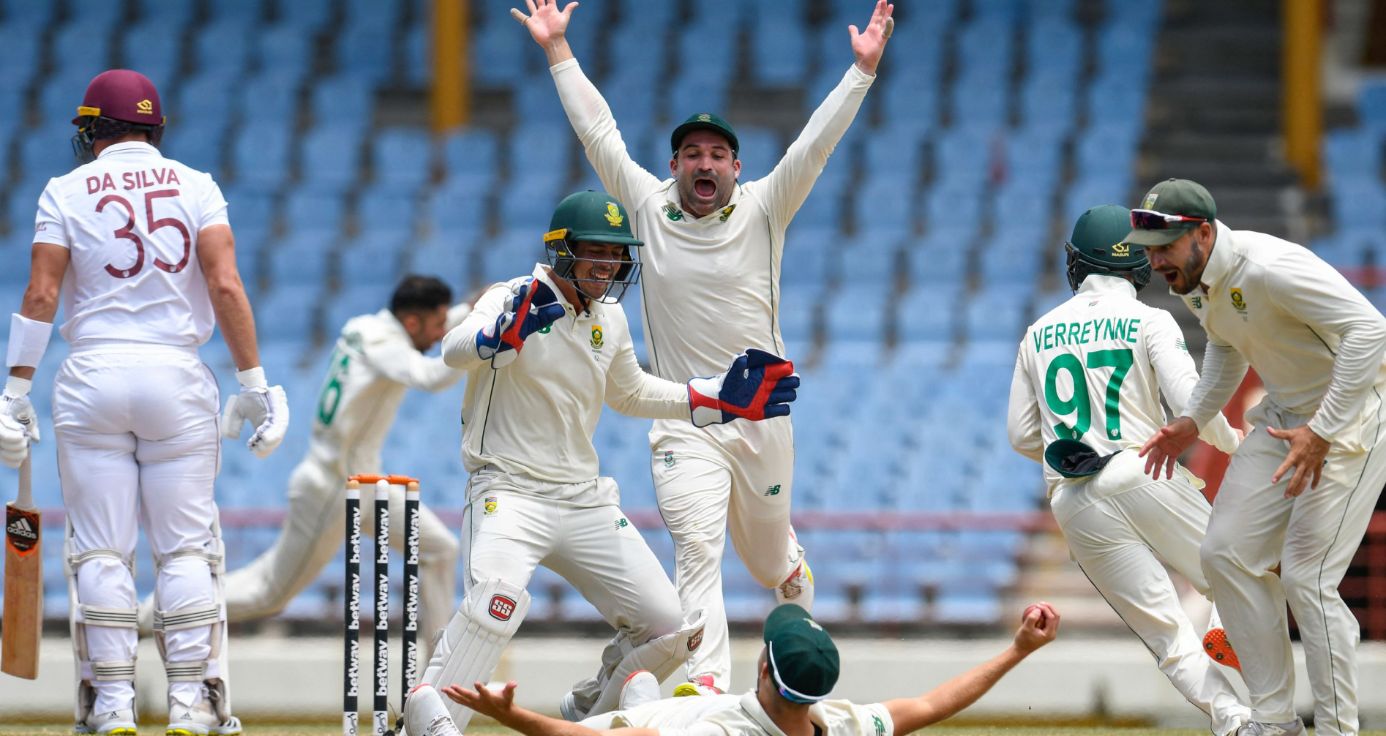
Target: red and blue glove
758,385
534,306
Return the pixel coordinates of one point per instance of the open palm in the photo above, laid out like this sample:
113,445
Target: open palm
546,23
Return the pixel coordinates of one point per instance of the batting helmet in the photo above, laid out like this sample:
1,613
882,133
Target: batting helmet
117,101
593,217
1098,245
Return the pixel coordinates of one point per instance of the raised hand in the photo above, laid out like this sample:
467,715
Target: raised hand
759,385
532,307
868,45
1163,448
1039,625
1306,457
546,23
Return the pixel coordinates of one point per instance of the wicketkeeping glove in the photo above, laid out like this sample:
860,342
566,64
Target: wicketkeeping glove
532,307
757,386
264,406
18,422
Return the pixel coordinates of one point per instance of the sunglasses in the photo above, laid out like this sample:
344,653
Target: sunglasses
1152,220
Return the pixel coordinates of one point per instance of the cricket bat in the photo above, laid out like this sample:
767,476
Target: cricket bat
23,615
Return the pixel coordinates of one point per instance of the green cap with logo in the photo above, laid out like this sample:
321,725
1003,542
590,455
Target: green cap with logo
803,659
1174,197
705,121
592,217
1100,237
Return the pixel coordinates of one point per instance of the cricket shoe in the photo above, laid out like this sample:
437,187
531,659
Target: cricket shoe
697,685
1257,728
426,715
199,719
110,723
1217,646
640,688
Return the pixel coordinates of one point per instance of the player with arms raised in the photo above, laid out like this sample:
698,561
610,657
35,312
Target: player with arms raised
1086,392
711,287
543,353
140,249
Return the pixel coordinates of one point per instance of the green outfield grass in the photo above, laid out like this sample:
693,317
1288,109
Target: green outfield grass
38,729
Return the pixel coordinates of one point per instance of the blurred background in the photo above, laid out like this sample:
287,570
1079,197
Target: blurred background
358,140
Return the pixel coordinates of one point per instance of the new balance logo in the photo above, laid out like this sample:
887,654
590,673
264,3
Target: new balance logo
21,528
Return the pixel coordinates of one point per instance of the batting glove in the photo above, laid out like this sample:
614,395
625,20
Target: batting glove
534,306
758,385
18,422
265,407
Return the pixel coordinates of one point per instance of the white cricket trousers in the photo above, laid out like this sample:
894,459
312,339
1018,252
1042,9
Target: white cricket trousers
1120,526
737,476
596,549
313,534
1313,538
137,435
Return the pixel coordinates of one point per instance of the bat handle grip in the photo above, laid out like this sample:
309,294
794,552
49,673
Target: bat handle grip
25,499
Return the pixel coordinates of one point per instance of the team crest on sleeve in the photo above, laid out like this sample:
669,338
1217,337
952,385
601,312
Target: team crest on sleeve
1238,302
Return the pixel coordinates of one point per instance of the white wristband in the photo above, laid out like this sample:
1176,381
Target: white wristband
28,341
16,386
252,377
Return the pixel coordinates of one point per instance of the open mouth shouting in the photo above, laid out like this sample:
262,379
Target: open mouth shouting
705,187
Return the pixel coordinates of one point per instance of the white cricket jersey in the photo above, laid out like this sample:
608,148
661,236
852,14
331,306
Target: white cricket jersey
710,285
1317,344
534,418
373,365
716,715
1093,369
130,220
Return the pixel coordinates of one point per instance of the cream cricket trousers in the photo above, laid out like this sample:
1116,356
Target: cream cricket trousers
737,476
1313,538
138,441
1121,526
313,534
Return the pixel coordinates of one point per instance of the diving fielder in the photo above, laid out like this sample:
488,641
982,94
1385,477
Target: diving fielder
1302,486
1086,392
534,495
378,357
140,249
712,286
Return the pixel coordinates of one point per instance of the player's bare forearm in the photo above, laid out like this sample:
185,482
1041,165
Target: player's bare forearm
946,700
558,51
216,253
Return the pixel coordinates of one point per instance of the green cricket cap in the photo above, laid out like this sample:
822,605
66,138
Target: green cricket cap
591,216
1174,197
803,659
705,121
1099,236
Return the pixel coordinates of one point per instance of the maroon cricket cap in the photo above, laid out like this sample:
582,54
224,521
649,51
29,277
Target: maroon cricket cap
122,94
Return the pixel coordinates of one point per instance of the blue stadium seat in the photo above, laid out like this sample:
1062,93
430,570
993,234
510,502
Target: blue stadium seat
357,298
366,51
927,314
197,143
344,98
446,258
760,151
382,15
176,14
47,152
1361,206
498,58
510,254
19,55
82,47
458,205
822,211
30,15
982,100
780,50
222,51
383,206
270,96
951,207
528,201
856,311
1350,152
307,210
153,48
885,200
472,151
994,314
285,50
331,158
540,149
402,159
302,260
247,11
305,16
287,313
59,96
250,208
